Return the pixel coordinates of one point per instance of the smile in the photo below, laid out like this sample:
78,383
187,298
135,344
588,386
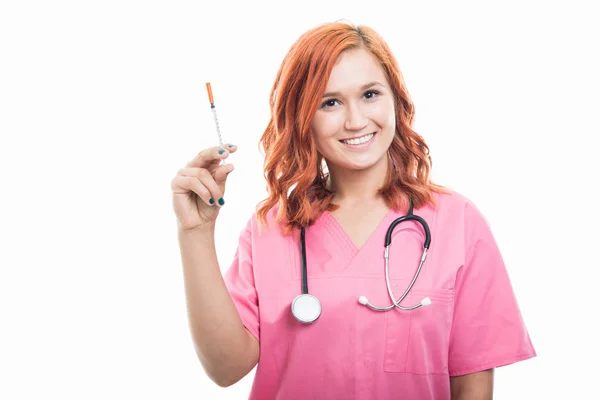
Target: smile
359,140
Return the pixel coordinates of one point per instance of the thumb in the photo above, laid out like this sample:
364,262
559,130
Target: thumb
221,173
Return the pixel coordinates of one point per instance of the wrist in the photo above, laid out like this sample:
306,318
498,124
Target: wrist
208,228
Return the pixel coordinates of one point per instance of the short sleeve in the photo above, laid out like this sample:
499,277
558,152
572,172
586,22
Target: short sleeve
239,280
488,330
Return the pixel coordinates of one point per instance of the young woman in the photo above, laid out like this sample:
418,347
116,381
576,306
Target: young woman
342,165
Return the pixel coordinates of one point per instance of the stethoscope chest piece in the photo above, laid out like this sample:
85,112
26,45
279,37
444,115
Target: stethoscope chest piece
306,308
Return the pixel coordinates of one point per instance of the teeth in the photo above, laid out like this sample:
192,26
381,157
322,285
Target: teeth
360,140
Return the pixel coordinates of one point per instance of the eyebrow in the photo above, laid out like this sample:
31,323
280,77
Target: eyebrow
363,87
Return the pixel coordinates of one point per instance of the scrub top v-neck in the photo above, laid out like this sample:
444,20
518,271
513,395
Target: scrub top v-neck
332,249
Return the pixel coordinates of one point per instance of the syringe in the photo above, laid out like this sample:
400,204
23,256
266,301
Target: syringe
214,111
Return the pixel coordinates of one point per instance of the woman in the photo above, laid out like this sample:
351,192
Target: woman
342,163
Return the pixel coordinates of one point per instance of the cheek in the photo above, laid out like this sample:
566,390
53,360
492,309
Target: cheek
392,120
382,113
325,127
386,116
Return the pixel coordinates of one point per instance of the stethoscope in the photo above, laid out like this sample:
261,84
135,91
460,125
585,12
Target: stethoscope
307,308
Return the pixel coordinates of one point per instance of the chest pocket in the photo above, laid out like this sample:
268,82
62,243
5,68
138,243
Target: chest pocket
417,341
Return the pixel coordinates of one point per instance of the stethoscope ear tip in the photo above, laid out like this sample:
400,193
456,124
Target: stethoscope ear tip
425,301
363,300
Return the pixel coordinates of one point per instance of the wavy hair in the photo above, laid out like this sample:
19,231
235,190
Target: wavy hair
294,169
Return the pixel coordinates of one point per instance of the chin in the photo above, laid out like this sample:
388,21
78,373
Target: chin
361,165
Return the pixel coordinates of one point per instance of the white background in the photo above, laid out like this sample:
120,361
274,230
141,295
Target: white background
102,102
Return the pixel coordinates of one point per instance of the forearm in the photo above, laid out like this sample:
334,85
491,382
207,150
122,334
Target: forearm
475,386
218,333
467,395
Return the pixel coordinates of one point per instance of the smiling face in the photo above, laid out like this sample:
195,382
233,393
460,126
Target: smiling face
355,122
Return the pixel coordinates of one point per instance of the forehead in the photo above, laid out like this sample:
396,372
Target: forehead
353,69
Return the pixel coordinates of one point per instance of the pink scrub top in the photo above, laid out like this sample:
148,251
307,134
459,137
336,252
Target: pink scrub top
352,352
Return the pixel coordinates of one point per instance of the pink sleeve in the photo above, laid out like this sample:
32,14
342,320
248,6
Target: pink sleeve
487,328
239,280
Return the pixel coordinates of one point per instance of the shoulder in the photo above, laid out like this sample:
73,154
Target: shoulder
256,227
458,203
461,211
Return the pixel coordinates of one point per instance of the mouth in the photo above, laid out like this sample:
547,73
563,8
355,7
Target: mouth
359,140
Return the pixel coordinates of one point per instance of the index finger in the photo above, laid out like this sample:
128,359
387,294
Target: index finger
210,154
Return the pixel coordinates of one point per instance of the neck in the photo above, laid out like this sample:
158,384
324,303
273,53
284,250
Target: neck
352,187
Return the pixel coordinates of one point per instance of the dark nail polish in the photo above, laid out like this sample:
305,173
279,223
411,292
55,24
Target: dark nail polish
230,145
221,151
211,201
221,201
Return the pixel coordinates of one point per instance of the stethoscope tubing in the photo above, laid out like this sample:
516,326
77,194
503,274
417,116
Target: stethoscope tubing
388,241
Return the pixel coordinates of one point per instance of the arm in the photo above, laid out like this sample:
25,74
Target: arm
476,386
226,349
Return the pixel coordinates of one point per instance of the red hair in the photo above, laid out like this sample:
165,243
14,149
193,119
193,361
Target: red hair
294,170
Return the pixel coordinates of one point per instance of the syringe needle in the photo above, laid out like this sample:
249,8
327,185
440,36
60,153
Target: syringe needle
214,111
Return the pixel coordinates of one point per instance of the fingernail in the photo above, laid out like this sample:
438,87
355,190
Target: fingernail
221,201
221,151
230,145
211,201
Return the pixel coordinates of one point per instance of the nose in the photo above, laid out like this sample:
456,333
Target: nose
356,119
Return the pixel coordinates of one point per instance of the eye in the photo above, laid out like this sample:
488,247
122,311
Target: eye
373,92
328,103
